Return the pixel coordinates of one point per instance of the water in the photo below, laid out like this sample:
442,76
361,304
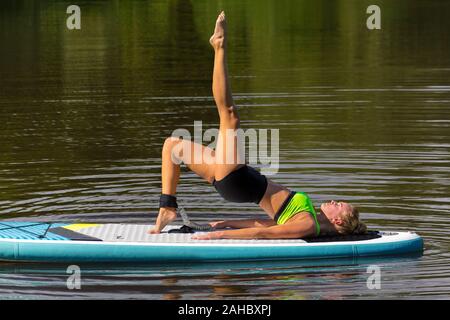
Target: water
363,117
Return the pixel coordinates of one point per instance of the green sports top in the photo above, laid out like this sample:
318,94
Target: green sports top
296,202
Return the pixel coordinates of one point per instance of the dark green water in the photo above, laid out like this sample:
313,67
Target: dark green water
363,116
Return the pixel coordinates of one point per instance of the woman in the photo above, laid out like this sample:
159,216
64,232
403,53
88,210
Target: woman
292,213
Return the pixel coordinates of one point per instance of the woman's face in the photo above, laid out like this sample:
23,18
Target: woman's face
335,210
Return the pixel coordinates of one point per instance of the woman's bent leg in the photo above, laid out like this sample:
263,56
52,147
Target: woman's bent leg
198,158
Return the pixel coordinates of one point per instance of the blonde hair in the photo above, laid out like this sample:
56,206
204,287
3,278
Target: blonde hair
351,223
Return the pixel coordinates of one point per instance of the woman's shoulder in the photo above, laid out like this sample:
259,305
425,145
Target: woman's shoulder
304,222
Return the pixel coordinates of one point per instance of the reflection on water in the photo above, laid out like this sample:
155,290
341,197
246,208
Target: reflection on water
362,115
331,279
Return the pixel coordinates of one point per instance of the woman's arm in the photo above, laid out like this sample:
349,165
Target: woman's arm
284,231
245,223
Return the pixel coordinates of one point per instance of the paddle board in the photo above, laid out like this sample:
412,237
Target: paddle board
112,242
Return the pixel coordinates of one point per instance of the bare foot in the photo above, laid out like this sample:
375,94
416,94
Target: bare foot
217,40
165,216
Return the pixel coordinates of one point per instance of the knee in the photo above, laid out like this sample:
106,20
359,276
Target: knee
233,115
170,142
230,118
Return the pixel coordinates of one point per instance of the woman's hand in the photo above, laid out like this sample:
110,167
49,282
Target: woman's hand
208,236
219,224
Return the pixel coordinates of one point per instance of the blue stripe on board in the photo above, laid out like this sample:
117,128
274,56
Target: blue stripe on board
28,230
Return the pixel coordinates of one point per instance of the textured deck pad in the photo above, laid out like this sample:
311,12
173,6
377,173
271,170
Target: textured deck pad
138,233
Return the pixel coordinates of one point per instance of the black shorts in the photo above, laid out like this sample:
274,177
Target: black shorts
242,185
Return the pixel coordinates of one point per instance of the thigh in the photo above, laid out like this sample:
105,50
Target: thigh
198,158
230,155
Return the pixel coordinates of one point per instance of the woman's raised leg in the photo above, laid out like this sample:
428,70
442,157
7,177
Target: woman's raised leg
228,158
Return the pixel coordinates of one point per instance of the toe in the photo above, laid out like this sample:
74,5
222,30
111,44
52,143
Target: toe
153,231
